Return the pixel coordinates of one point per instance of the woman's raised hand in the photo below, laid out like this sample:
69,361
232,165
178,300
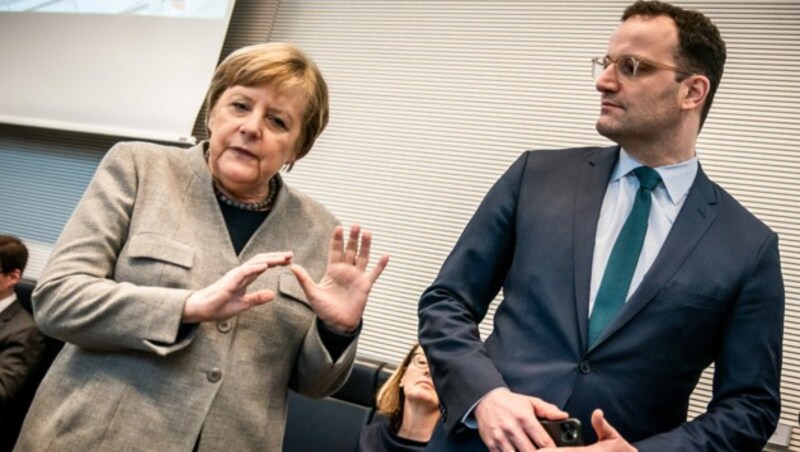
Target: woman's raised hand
228,296
340,297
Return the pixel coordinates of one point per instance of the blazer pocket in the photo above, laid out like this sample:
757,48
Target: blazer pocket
289,287
160,248
683,297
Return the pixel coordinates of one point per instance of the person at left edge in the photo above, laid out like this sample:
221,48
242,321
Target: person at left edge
21,343
183,325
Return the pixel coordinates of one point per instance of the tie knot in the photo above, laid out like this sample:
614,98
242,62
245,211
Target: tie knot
648,177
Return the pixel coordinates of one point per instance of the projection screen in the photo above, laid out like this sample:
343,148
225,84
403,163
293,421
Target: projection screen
115,67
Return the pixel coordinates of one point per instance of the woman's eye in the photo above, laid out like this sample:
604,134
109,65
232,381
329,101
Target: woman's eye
277,122
239,106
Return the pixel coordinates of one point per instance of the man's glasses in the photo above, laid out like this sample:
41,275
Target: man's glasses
628,67
419,361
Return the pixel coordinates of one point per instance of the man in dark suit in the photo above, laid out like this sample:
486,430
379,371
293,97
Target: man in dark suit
625,273
21,343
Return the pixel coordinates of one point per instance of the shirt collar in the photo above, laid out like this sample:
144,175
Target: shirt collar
677,178
6,302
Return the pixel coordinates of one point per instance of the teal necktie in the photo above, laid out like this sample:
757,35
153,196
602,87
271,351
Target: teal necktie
624,256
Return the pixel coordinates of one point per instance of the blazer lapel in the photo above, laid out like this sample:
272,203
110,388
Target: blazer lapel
592,183
201,196
691,224
10,312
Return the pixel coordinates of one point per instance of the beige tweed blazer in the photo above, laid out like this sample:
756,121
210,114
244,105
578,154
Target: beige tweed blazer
147,232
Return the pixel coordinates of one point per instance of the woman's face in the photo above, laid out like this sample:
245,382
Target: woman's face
417,383
254,133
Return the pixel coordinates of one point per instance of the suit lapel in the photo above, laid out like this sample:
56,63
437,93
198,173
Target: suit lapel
691,224
592,183
7,314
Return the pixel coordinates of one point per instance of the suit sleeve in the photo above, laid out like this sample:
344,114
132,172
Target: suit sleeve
77,299
20,352
451,309
745,407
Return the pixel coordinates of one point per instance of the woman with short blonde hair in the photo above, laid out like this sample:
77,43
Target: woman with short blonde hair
194,287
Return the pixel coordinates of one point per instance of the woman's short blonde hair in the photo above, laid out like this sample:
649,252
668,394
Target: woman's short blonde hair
391,397
284,67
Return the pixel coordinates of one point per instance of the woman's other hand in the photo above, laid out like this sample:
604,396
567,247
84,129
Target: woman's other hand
340,297
228,296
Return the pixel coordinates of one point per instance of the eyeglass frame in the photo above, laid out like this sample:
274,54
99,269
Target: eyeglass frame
600,62
414,359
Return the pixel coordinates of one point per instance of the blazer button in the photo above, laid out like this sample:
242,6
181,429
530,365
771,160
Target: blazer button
214,375
584,367
224,326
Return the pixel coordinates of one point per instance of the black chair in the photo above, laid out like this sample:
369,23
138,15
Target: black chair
334,423
362,385
323,425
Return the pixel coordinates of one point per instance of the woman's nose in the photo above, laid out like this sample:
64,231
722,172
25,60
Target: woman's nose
250,126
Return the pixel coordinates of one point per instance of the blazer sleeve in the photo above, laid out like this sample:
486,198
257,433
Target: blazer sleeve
451,309
745,407
77,299
315,373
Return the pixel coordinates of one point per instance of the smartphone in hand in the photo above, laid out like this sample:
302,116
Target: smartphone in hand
565,432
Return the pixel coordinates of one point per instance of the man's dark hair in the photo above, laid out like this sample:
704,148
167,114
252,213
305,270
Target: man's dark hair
13,254
701,49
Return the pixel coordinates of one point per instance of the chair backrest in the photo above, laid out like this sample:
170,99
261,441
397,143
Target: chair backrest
363,384
323,425
334,423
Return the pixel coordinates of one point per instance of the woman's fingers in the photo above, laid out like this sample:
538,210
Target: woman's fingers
351,249
363,253
376,272
272,259
256,298
336,251
308,284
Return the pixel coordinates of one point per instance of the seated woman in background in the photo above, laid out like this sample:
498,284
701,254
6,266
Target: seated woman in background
184,324
408,409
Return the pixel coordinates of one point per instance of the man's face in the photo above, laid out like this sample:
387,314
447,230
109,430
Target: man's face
8,281
644,109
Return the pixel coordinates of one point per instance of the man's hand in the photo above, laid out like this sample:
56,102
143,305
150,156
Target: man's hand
608,439
509,422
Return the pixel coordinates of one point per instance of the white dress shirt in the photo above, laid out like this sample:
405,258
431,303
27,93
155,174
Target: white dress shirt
668,198
6,302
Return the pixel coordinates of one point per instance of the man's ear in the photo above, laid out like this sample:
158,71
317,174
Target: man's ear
695,91
15,275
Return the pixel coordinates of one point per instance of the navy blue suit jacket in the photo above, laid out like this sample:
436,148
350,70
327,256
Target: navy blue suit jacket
713,295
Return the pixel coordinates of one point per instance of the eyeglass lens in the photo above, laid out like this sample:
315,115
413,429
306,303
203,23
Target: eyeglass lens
625,67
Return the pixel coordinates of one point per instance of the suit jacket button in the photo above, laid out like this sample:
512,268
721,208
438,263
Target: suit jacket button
224,326
214,375
584,367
